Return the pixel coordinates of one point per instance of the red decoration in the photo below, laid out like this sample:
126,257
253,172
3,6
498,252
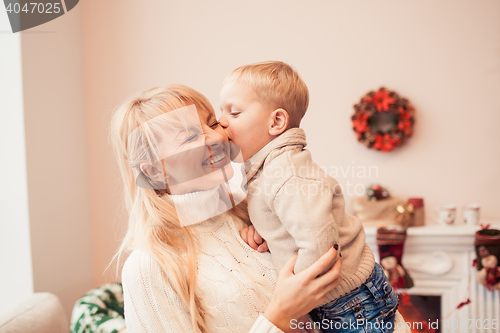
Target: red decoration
464,303
381,100
361,123
385,142
395,116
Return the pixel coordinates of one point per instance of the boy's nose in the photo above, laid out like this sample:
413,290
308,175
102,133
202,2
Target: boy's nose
223,122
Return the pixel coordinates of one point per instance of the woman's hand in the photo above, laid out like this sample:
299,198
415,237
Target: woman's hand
253,239
296,295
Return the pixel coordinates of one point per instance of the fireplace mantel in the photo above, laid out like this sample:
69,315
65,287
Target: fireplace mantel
439,259
455,235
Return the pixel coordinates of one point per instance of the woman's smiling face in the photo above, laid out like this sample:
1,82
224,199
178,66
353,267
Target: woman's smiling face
191,155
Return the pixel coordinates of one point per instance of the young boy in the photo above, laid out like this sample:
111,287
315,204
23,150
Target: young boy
295,206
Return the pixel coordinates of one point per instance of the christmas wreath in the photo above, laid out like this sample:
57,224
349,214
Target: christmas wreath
383,120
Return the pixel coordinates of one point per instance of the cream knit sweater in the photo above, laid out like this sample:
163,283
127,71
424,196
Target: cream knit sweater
235,282
299,209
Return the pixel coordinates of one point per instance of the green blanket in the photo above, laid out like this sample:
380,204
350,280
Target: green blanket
99,311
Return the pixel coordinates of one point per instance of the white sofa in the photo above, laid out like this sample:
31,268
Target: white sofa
40,313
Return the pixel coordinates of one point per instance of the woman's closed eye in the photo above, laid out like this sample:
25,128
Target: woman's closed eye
192,137
188,136
215,124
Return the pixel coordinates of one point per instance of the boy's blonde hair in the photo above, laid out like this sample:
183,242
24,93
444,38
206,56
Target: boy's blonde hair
277,84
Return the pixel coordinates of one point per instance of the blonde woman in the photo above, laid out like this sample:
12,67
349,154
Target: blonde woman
188,268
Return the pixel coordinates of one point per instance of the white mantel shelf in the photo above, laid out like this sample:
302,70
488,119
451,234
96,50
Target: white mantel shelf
436,234
439,230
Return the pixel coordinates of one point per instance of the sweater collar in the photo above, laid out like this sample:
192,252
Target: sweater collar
196,206
290,139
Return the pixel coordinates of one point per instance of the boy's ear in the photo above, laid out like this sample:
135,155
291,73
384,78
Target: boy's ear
279,123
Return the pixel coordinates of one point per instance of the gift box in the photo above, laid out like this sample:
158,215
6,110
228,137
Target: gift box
381,212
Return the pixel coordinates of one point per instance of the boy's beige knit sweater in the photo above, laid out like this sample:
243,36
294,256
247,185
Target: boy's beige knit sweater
299,209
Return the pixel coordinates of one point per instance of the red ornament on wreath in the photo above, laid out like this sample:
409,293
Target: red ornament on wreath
383,120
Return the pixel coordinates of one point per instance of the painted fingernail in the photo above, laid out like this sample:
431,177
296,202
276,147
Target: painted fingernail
336,247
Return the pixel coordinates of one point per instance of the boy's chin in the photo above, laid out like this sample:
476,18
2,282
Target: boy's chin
249,154
246,155
235,153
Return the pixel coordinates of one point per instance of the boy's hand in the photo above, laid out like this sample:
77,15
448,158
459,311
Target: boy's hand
253,239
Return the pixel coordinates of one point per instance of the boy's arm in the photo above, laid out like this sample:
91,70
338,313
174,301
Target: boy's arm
305,208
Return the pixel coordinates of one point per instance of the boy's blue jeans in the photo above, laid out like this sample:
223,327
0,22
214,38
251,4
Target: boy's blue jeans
370,308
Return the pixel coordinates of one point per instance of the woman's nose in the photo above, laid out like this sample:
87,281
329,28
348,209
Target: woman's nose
214,138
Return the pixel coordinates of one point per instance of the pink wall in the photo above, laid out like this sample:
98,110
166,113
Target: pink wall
444,56
57,159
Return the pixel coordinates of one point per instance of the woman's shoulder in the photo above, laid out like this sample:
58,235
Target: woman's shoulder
138,258
139,267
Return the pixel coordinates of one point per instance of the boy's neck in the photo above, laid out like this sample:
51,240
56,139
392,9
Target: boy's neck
255,156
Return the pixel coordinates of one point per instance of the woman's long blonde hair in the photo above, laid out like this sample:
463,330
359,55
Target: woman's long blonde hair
153,224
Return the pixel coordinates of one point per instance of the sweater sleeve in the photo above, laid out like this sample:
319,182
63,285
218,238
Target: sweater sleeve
151,305
304,207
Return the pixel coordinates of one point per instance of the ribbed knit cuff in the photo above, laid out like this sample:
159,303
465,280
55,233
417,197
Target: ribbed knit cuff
356,279
262,325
